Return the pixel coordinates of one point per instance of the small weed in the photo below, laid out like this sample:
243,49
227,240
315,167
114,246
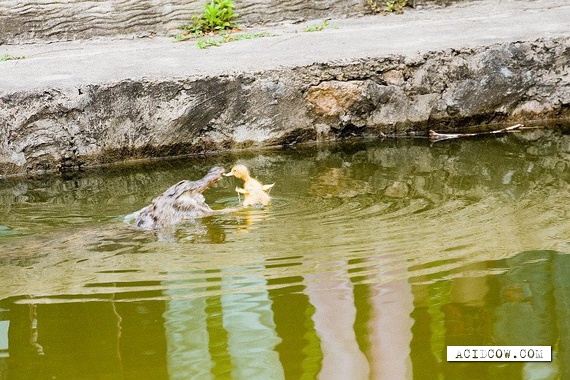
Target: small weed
213,26
373,5
204,43
187,35
218,15
250,36
389,6
395,6
316,27
9,57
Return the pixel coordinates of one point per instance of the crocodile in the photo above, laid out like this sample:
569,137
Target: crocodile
180,202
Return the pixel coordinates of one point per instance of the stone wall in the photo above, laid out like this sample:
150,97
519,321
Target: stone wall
396,95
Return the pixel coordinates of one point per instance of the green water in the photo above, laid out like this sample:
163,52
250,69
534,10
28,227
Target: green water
370,260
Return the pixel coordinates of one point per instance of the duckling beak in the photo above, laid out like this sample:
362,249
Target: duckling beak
228,174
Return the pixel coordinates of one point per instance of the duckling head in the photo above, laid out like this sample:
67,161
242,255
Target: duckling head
239,171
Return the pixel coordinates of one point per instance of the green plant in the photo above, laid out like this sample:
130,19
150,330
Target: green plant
389,6
204,43
316,27
396,6
218,15
9,57
224,37
187,35
373,5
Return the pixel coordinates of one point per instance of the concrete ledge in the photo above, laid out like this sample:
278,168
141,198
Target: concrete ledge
71,105
33,21
28,21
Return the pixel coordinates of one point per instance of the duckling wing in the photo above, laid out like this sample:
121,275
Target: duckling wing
242,191
267,187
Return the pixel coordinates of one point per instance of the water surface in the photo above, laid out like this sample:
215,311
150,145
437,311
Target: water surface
371,259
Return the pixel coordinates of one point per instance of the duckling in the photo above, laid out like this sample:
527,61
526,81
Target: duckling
254,192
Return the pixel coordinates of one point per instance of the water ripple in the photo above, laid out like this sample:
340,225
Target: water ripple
371,215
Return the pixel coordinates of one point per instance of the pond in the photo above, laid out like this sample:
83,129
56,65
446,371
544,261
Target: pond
370,260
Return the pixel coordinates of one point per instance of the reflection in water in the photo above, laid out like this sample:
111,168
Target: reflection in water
368,262
85,340
331,294
390,330
186,323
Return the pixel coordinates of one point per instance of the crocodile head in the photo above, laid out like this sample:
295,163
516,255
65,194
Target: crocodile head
182,201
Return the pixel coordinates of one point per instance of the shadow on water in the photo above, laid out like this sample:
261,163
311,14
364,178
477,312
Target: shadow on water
371,259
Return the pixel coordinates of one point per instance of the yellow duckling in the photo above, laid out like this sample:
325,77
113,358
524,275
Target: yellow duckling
253,191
